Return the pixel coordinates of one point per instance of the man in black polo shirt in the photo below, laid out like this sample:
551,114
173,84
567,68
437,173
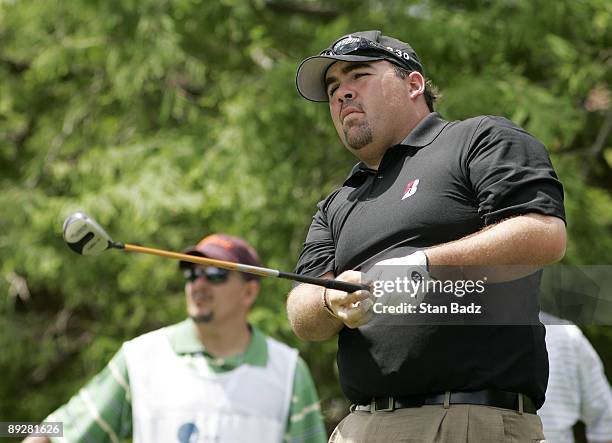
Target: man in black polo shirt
427,193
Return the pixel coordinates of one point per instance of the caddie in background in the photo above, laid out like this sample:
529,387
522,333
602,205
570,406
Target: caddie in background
211,378
428,193
578,389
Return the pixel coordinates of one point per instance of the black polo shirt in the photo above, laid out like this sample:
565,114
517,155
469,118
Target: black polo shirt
444,181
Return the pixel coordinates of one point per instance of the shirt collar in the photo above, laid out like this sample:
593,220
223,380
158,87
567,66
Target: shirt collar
184,340
423,134
426,131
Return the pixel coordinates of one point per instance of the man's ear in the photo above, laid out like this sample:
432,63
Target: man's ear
250,293
416,84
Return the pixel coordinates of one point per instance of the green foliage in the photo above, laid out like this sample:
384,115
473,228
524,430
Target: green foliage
170,120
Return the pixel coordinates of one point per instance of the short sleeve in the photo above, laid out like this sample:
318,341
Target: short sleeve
317,256
511,173
101,411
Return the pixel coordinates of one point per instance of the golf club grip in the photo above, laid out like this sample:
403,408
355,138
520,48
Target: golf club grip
328,283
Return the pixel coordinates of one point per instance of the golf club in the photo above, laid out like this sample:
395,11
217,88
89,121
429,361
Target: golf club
86,237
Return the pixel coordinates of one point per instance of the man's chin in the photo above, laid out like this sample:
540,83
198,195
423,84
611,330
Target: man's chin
358,137
203,318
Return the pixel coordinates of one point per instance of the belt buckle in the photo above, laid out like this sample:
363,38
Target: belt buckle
389,407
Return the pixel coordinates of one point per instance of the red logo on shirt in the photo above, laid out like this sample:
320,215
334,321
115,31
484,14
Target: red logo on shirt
410,189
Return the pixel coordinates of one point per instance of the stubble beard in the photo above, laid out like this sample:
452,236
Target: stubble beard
199,317
358,136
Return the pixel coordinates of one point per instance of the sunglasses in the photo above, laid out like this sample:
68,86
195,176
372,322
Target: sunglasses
364,46
212,274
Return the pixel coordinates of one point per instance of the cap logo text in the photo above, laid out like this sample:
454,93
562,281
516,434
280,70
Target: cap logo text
345,42
399,53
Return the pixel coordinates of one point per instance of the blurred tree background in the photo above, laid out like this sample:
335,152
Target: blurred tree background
169,119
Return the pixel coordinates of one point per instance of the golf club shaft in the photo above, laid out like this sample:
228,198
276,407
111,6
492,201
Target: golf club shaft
264,272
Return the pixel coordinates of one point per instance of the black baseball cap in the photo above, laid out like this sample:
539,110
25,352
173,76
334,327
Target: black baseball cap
356,47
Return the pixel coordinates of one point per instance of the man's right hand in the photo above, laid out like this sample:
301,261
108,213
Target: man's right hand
311,320
354,309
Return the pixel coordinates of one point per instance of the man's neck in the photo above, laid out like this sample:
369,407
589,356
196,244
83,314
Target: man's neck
224,341
373,154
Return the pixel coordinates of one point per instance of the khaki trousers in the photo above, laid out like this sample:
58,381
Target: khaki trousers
435,424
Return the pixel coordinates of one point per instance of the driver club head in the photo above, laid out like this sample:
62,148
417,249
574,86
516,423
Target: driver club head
84,236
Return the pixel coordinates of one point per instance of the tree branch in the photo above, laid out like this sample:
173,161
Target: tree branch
15,67
68,128
598,145
315,9
602,136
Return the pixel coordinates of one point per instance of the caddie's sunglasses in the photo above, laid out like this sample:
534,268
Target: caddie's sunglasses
364,46
212,274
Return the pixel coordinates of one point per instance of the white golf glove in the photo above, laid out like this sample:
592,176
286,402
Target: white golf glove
400,280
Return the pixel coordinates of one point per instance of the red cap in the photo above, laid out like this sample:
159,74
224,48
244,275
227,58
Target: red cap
227,248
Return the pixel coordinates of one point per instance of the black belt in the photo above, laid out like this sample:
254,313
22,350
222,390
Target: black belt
498,399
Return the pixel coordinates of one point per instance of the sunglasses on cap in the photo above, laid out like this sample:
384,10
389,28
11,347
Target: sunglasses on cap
212,274
364,46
